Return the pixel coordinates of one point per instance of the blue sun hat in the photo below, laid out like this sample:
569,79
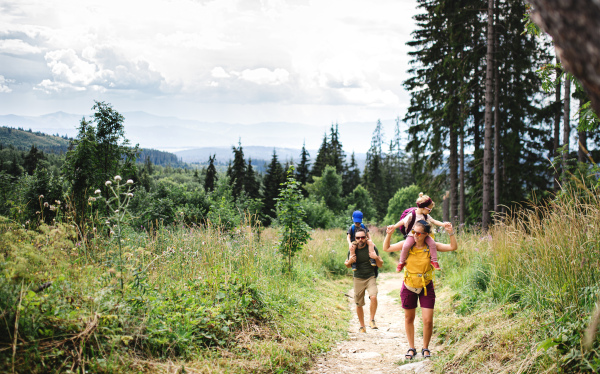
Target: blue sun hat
357,216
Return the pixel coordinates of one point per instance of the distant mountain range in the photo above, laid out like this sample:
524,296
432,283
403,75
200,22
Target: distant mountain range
175,134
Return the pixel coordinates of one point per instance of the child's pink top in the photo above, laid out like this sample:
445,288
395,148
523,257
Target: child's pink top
418,217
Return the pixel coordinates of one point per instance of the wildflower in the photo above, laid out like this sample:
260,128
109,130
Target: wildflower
27,222
46,204
117,178
37,212
117,211
41,196
309,256
129,181
130,195
97,191
107,183
52,208
57,202
91,198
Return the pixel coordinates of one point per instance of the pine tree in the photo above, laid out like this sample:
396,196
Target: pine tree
237,171
351,176
252,185
303,170
373,178
336,155
211,174
322,159
272,184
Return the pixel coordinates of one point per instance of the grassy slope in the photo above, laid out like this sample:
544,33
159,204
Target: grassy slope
531,283
24,139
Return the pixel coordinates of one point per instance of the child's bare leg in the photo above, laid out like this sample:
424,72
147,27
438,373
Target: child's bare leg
408,244
371,251
432,248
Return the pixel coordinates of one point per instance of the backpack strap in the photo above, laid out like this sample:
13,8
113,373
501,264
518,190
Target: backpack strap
412,221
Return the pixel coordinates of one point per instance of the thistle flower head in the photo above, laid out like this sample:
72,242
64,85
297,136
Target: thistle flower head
117,178
97,191
107,183
130,194
46,204
129,181
41,196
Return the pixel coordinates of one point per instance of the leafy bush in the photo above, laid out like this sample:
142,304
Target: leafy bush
403,199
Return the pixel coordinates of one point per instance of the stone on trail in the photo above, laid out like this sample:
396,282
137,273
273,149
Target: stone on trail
367,355
416,367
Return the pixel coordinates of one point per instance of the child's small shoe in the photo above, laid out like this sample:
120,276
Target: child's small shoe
354,266
400,267
373,263
435,265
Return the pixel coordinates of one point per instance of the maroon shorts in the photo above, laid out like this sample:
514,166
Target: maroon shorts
409,298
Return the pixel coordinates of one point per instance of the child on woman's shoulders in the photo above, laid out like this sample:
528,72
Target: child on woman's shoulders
424,207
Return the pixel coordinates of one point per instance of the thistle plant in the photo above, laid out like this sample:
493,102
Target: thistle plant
117,207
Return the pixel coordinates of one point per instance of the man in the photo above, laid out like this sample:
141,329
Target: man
357,218
364,277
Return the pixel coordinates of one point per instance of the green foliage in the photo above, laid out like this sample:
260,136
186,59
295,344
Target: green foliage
327,187
317,214
403,199
290,215
360,199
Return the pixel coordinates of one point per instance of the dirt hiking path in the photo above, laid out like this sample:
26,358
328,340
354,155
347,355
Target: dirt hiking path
381,350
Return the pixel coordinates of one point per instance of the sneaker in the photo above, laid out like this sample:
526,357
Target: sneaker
373,263
400,267
362,329
354,266
435,265
373,325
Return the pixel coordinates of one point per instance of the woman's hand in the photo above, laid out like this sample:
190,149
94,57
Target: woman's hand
390,229
448,227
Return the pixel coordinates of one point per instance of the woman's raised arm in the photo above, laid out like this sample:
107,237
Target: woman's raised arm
386,242
453,246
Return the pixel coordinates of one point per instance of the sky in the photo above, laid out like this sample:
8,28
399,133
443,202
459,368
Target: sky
234,61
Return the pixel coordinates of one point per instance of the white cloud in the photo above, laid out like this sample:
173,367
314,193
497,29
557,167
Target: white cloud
219,72
265,76
3,85
18,47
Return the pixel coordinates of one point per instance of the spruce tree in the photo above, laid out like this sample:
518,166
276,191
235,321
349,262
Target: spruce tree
210,179
351,176
252,185
322,159
303,170
274,176
237,171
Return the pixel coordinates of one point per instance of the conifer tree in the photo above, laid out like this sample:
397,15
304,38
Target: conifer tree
336,156
252,185
351,176
211,174
303,170
274,176
322,159
373,177
237,171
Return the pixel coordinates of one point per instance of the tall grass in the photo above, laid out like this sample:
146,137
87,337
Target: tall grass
543,258
186,289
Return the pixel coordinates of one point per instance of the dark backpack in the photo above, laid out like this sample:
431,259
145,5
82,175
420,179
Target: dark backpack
405,230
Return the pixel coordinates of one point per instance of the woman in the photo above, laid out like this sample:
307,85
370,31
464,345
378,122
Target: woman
410,294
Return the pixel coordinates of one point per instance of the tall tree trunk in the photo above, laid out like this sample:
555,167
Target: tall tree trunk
487,149
582,135
567,122
462,177
574,26
453,173
496,123
557,126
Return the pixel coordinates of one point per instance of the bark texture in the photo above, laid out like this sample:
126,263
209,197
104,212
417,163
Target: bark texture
487,147
575,27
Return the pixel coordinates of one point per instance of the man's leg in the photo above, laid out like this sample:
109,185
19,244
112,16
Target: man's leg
373,306
361,315
409,326
427,325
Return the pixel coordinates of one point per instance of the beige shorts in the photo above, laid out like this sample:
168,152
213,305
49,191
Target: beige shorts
362,285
